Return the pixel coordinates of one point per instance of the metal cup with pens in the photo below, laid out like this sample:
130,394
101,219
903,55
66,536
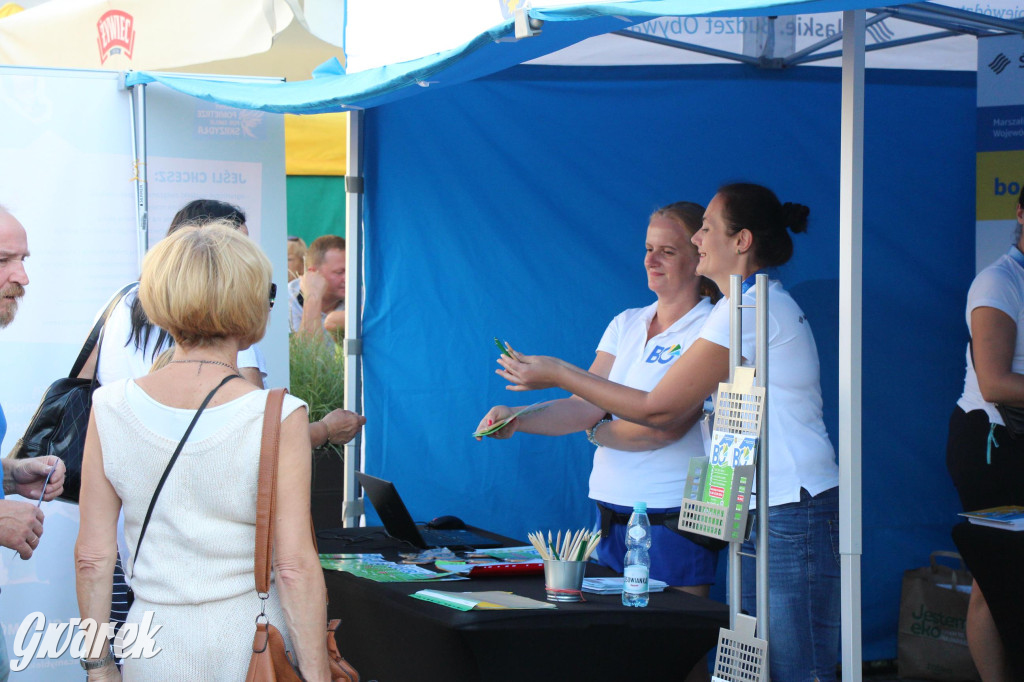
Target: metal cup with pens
565,562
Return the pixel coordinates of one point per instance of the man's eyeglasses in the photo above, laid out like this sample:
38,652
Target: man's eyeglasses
273,294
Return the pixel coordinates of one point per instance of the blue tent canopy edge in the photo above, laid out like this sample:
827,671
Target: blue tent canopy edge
494,50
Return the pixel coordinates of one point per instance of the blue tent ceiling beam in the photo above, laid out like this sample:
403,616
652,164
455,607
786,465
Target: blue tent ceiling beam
953,22
834,54
710,51
961,25
798,57
966,16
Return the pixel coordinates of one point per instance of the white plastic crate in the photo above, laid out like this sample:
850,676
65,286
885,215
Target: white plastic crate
742,657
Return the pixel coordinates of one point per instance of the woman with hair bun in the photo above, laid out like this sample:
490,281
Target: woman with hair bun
745,230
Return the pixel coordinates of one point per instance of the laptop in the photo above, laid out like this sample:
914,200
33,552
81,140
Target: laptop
399,524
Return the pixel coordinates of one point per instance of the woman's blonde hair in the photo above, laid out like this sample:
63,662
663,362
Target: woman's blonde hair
162,360
207,283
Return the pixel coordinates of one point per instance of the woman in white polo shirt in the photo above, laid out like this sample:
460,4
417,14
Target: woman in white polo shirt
984,460
634,463
745,230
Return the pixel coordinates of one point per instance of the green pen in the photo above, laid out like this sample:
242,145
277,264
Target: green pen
502,347
580,552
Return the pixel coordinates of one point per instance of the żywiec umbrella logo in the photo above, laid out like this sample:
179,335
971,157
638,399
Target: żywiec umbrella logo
116,34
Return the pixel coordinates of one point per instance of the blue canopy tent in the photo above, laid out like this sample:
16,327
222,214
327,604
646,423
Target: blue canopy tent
510,200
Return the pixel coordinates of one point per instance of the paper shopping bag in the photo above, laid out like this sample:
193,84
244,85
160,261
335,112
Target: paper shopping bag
932,641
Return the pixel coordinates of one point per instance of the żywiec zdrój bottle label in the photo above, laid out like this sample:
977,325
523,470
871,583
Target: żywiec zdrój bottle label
635,579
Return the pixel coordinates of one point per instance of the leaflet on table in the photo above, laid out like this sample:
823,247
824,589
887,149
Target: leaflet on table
483,601
728,450
427,556
1007,517
613,585
351,557
375,567
524,553
497,561
492,569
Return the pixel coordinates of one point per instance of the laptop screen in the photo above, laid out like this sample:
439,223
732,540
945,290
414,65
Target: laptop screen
399,524
394,515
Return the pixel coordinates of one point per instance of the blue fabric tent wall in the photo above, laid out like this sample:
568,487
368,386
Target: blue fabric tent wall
516,206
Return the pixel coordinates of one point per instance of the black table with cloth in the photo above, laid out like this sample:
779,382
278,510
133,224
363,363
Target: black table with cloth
995,558
391,637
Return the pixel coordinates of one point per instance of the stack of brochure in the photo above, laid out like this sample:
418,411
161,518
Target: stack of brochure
1007,517
614,585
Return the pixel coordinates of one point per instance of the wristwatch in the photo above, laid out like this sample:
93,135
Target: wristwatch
593,430
96,663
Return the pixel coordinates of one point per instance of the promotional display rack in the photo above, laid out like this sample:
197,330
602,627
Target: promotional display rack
741,412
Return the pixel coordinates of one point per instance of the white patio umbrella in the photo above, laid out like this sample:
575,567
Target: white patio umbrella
239,37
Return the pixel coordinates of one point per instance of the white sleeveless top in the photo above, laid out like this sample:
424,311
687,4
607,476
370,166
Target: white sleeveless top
195,567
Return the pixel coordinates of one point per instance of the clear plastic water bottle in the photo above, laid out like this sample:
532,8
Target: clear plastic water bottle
637,565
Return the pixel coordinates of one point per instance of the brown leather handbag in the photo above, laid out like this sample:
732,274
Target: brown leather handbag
270,661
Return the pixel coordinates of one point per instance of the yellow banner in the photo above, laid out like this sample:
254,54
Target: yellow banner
999,181
9,9
315,144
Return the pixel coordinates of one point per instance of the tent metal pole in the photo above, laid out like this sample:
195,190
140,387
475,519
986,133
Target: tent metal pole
851,224
352,508
735,579
137,109
764,449
761,552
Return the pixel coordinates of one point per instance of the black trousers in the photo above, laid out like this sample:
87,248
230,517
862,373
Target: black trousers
979,482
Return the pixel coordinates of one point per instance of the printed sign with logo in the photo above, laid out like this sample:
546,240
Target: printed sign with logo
728,450
217,120
115,34
1000,144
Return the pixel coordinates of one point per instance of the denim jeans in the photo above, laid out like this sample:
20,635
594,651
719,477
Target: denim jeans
804,587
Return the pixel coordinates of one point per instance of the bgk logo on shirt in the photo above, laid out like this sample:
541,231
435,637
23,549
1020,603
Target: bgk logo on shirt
664,354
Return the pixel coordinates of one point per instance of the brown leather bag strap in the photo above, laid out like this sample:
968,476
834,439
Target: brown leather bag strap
266,492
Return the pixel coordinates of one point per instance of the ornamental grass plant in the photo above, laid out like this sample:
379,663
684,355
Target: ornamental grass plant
317,374
318,377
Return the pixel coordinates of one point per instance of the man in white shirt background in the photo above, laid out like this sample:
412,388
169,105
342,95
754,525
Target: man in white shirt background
317,298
